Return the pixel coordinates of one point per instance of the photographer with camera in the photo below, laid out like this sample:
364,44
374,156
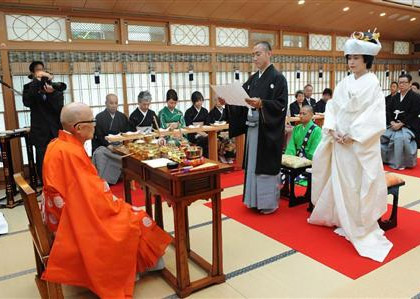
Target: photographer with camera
45,100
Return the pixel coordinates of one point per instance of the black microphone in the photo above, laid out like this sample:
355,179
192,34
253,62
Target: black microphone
5,84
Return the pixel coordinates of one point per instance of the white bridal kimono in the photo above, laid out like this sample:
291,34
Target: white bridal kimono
348,181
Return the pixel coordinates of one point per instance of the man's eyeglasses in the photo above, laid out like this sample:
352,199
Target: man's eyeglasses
403,82
84,122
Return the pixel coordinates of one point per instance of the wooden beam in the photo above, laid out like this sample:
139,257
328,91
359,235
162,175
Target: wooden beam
10,115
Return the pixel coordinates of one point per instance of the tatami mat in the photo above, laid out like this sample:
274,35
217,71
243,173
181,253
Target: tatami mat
256,265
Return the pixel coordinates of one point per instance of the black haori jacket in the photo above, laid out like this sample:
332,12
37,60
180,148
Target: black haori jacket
271,87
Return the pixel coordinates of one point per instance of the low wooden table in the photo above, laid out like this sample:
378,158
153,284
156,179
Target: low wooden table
180,191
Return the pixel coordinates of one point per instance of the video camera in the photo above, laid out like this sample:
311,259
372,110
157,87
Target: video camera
59,86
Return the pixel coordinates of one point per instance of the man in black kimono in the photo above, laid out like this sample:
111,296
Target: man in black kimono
144,119
326,96
109,121
393,91
263,125
398,143
309,100
45,103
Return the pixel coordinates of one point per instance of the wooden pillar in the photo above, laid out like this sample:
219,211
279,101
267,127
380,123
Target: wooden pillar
213,62
10,115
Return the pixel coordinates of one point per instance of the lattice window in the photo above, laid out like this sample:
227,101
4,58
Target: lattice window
147,33
232,37
339,42
311,77
86,91
23,113
294,41
340,75
270,37
319,42
401,48
92,31
36,28
189,35
229,77
137,82
185,88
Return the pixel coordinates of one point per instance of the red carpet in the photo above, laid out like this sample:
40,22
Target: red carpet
415,171
233,178
230,179
289,226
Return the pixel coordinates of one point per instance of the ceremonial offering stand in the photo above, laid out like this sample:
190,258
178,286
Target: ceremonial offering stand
180,190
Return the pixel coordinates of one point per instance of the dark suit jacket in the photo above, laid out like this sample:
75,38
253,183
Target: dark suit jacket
312,102
45,113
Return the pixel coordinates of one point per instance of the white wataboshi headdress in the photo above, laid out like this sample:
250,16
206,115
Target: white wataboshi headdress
363,43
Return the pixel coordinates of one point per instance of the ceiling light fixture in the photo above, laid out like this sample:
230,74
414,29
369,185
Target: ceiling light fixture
346,8
412,19
382,14
300,2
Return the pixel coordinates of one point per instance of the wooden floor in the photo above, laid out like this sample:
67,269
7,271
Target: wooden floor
257,266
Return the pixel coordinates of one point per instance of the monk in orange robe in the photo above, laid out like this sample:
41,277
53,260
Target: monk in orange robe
100,240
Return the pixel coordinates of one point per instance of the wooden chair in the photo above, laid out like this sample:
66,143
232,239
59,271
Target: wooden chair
41,238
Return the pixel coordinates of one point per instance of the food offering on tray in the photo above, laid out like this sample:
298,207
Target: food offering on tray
183,154
193,152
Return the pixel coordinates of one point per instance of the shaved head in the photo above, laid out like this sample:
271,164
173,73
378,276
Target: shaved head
73,113
308,108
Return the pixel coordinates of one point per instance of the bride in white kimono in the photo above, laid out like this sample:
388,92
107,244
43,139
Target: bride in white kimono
348,181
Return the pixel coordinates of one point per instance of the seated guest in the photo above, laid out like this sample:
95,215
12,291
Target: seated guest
143,118
305,139
298,104
309,100
100,240
305,136
109,121
398,143
226,145
172,118
415,87
169,116
326,96
393,89
197,115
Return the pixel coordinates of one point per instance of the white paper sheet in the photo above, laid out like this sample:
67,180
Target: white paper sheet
233,94
156,163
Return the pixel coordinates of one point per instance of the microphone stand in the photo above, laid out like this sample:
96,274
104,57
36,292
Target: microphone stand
11,88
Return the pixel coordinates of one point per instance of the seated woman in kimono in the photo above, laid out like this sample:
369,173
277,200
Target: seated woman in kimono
197,115
226,145
305,138
172,118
